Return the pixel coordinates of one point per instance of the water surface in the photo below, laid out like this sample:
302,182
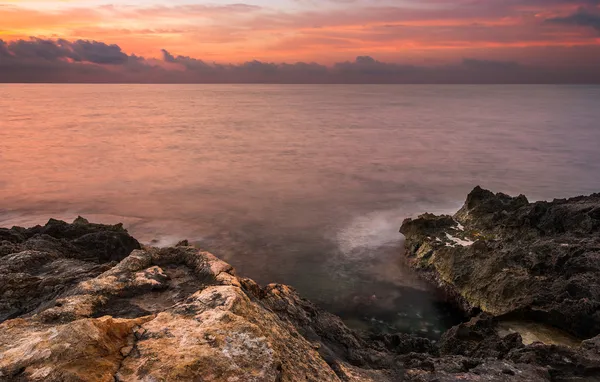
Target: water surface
304,185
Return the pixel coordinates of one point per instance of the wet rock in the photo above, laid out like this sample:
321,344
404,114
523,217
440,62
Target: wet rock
508,257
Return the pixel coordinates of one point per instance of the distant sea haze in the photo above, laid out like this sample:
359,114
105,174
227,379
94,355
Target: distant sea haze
306,184
39,60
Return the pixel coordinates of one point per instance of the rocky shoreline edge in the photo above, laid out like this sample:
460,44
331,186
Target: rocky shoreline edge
87,302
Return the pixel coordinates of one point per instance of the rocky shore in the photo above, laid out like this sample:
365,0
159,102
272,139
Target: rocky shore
87,302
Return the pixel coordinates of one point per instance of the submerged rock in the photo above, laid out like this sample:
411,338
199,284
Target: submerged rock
181,314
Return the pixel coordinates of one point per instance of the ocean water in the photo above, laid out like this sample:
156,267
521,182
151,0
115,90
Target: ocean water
303,185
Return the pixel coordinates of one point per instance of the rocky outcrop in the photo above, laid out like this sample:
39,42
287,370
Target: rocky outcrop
40,263
516,260
508,257
84,302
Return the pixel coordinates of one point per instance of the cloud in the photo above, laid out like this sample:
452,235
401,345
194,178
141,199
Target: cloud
187,62
585,17
45,60
97,52
36,49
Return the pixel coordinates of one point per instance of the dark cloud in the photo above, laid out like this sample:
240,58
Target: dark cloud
4,53
39,60
188,62
586,17
96,52
36,49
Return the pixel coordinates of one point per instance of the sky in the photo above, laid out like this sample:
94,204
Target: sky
318,41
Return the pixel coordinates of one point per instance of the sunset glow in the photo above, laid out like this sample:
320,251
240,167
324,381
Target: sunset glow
549,33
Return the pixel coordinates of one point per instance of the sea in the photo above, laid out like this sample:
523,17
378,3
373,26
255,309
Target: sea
305,185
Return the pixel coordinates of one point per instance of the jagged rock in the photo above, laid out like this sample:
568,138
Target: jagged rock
40,263
478,338
29,279
508,257
181,314
562,363
402,343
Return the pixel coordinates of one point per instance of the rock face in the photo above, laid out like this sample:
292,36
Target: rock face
84,302
512,259
506,256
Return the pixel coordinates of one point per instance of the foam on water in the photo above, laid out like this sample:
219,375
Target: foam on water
372,231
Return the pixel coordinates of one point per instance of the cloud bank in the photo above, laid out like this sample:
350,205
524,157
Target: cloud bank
84,61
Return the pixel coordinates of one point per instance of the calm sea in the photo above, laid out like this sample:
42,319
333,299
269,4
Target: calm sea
304,185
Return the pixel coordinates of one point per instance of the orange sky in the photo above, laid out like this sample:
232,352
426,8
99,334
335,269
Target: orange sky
404,31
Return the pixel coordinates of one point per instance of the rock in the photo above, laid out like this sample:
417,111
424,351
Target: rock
174,314
31,278
41,263
478,338
508,257
105,246
82,350
183,243
218,334
561,362
181,314
402,343
423,368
